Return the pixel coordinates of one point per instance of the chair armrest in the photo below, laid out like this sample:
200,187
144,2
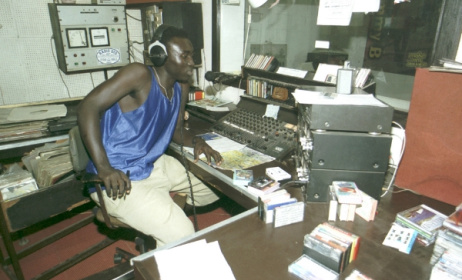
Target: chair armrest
90,178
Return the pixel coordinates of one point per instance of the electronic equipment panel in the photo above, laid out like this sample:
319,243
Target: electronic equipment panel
343,143
89,37
270,136
360,118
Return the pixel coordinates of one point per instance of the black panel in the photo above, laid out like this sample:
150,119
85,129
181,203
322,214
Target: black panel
350,151
187,16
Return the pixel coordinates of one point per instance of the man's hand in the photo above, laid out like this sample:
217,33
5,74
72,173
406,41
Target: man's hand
117,183
201,147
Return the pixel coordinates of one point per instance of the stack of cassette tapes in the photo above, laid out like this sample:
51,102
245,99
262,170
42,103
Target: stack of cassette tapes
343,143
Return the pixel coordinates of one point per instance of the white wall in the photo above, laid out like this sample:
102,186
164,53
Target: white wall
29,73
232,37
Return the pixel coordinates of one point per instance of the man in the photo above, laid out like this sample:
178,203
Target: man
127,123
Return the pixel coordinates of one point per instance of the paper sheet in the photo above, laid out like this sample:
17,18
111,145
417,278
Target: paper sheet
326,73
335,12
35,113
292,72
221,144
366,6
235,155
321,98
194,261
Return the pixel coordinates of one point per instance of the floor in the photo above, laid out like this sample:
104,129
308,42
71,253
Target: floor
59,251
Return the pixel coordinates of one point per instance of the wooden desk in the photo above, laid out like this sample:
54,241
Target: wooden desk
219,179
255,250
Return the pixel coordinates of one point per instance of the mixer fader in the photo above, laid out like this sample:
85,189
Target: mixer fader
270,136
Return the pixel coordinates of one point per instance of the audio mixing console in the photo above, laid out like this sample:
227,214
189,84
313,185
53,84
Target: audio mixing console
267,135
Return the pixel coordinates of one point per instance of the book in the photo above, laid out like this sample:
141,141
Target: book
327,255
357,275
278,195
454,220
344,236
196,95
261,182
262,185
269,207
351,212
242,177
16,182
277,173
424,219
446,239
343,209
347,192
259,191
326,237
346,212
268,63
307,268
263,62
448,267
249,61
289,214
368,207
333,205
400,238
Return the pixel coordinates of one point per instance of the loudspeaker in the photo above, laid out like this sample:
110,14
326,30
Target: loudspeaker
187,16
350,151
157,50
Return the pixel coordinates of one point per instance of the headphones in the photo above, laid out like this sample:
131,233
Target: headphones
157,50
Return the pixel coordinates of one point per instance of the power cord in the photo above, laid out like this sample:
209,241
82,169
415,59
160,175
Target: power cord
57,66
186,167
392,179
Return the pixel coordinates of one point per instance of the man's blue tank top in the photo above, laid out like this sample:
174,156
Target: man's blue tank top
135,140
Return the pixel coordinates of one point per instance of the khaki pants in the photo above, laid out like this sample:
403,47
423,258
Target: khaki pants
149,207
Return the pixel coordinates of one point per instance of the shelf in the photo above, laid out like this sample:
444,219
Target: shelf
31,142
280,79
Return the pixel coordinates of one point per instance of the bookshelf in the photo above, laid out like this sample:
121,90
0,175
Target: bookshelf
262,84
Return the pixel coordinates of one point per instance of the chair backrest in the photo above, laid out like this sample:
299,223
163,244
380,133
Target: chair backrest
79,159
79,155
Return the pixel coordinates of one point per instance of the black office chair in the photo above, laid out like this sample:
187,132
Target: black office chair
80,158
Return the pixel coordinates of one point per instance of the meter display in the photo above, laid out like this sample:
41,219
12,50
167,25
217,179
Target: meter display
99,37
77,37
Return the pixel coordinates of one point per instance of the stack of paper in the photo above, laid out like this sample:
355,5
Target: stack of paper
194,261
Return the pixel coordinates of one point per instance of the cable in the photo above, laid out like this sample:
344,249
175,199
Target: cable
92,80
128,15
403,147
185,164
57,66
249,21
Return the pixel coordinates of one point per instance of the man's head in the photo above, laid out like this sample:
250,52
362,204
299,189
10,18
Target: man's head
171,48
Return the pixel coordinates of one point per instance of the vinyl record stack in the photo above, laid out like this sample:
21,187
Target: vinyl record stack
343,143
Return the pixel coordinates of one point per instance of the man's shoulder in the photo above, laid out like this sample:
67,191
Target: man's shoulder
137,65
135,70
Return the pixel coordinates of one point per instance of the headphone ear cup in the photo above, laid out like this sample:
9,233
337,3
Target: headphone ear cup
158,53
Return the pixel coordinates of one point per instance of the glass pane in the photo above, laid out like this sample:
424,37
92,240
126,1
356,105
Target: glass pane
392,42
